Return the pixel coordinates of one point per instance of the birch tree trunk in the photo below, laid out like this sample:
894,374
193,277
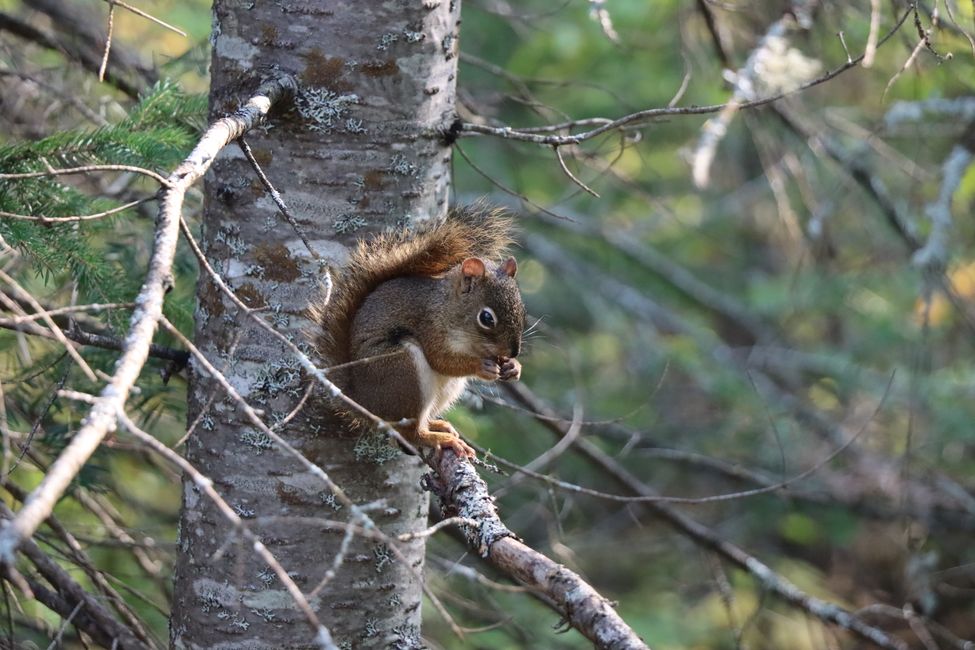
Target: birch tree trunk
361,150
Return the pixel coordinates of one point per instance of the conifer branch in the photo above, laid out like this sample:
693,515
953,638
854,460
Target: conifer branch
103,416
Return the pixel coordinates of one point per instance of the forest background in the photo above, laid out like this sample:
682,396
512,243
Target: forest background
792,301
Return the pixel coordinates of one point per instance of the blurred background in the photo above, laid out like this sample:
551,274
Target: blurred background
803,313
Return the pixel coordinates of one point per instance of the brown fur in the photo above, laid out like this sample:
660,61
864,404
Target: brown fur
470,231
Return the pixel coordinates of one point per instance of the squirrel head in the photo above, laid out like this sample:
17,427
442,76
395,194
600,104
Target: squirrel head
489,312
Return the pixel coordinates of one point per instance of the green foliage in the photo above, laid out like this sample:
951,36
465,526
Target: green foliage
94,258
784,231
156,134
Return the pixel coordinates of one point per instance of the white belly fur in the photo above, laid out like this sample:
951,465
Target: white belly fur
438,391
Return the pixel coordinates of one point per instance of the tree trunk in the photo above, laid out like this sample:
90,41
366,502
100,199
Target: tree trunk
361,151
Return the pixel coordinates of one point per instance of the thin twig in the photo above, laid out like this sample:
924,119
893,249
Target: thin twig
87,169
25,446
572,177
56,642
640,117
275,195
76,218
108,40
139,12
104,414
71,309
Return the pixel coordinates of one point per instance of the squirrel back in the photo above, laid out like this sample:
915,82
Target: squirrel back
470,231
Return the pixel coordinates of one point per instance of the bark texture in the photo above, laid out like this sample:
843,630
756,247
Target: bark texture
462,493
361,150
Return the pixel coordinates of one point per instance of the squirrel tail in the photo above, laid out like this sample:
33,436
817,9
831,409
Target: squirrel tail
471,231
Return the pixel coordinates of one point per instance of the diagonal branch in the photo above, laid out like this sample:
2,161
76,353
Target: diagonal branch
463,493
103,415
104,621
537,135
82,38
707,538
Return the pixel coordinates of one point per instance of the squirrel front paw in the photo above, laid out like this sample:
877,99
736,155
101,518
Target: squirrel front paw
510,370
489,370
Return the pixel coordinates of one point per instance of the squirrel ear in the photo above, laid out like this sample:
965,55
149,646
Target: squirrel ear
509,267
472,267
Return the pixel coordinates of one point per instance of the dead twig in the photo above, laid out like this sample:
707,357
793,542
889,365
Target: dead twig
463,493
104,413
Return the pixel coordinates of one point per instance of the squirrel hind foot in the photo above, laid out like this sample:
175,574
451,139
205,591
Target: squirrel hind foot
442,426
439,440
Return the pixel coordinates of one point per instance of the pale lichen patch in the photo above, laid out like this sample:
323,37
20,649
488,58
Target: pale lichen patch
231,47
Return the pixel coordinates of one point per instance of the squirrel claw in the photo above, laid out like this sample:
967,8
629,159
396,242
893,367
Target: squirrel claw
440,434
510,370
489,370
460,447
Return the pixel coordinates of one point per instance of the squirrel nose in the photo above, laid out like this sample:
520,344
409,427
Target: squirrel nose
515,349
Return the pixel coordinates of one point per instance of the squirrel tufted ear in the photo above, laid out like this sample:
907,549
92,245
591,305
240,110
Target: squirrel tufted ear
472,267
509,267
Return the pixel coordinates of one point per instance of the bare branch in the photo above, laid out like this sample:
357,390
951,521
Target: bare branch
104,413
572,177
74,219
702,535
68,588
139,12
108,41
87,169
463,493
641,117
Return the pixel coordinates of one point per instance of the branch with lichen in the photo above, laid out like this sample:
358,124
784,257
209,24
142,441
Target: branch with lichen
103,415
772,64
463,494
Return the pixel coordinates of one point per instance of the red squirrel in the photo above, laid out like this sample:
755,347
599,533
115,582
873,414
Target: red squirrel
424,311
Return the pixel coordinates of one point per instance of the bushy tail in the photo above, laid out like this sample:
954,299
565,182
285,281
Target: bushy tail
471,231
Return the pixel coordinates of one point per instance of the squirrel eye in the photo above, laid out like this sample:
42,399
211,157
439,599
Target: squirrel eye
486,318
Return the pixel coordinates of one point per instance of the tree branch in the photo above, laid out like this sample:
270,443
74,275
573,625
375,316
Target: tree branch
641,117
103,415
703,536
118,634
463,493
